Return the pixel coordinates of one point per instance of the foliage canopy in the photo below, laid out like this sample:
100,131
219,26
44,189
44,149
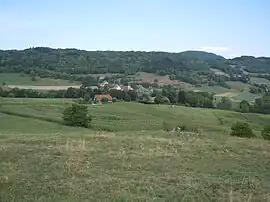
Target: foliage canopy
77,115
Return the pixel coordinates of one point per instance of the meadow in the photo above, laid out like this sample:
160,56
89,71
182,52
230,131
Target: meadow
239,91
127,156
17,80
259,80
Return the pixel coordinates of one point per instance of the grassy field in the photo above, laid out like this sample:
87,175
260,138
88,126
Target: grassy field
214,89
239,86
234,93
125,116
259,80
25,80
126,156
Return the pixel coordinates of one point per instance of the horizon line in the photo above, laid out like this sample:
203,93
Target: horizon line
130,50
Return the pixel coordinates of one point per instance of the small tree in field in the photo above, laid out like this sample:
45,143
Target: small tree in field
241,129
105,100
77,115
266,132
114,99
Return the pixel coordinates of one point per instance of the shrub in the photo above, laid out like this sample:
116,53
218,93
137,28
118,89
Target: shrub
241,129
266,132
105,100
183,127
82,101
165,100
77,115
114,99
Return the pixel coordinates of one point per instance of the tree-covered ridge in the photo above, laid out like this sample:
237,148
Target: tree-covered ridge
201,55
253,64
72,64
93,62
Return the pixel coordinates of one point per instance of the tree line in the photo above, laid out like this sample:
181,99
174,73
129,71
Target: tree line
165,95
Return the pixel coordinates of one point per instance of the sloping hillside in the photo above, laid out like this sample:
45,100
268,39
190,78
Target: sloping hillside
43,160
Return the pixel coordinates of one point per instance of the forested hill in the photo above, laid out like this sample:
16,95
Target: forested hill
73,61
253,64
201,55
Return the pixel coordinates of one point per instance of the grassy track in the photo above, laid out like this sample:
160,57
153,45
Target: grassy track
46,161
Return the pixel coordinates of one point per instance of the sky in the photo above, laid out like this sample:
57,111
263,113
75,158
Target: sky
226,27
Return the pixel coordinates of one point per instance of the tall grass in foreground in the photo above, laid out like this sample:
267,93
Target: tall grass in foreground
127,167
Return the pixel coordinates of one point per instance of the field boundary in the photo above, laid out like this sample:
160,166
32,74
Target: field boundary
31,117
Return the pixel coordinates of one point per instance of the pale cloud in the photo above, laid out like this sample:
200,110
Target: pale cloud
225,51
215,48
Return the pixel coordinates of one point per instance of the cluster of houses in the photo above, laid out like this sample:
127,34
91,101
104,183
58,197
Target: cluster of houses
142,93
105,84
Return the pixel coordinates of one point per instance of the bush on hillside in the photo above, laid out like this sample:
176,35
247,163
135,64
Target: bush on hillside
241,129
266,132
82,101
225,103
77,115
105,100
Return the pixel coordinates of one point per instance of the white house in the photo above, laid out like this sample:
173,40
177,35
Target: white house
126,88
104,83
116,87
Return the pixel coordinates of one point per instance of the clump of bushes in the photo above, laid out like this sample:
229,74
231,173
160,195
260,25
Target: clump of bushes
77,115
105,100
266,132
83,101
241,129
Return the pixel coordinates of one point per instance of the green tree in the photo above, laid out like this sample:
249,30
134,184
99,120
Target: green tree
266,132
253,90
241,129
33,78
127,97
114,99
181,97
77,115
71,93
164,100
225,103
33,75
158,98
2,92
104,100
244,106
146,98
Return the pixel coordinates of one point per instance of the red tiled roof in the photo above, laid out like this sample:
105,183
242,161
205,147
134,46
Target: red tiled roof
100,96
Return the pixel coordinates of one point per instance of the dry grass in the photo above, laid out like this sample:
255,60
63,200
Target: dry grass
124,167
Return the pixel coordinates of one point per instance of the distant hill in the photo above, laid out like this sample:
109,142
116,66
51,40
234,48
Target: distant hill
253,64
201,55
58,63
